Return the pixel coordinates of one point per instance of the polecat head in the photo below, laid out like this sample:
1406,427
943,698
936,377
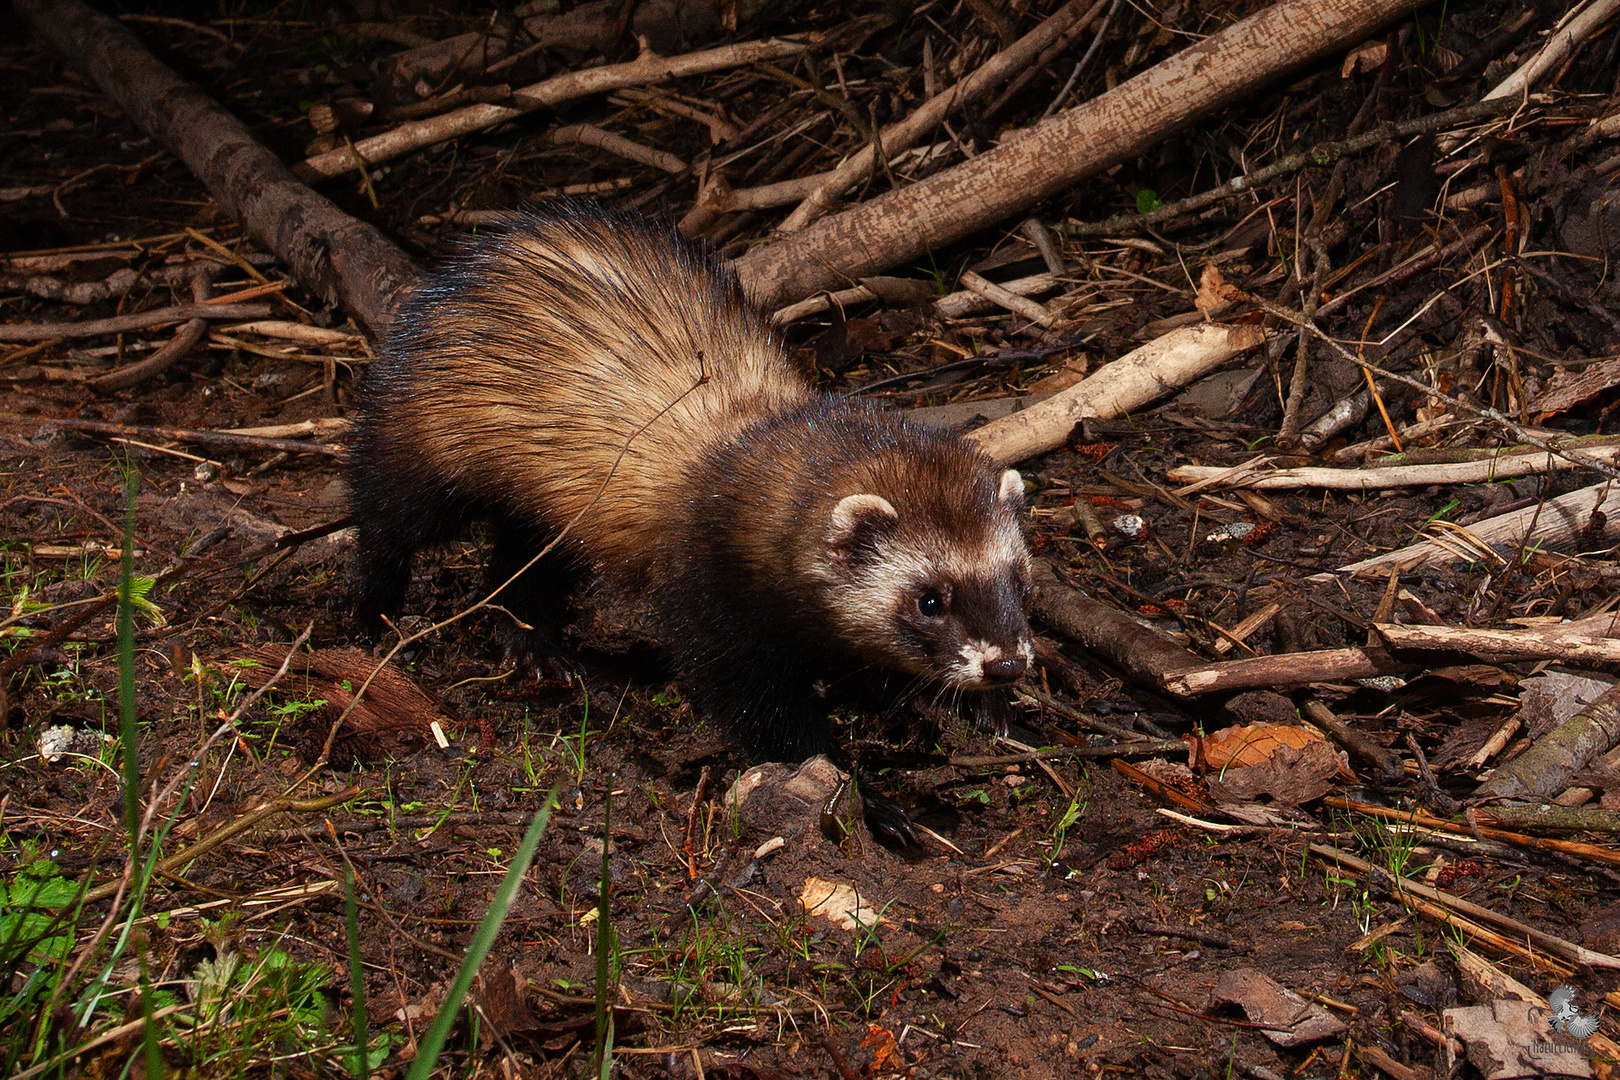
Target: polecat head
933,578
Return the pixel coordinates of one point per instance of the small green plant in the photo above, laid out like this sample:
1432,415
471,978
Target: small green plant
866,937
1147,201
1436,516
574,745
1066,820
242,1004
706,967
36,936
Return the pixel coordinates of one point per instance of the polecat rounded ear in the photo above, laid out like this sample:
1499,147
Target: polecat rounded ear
1012,488
856,516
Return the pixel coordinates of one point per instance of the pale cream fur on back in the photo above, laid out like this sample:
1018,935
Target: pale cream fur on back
573,344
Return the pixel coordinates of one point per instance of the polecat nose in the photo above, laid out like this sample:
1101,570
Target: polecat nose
1004,669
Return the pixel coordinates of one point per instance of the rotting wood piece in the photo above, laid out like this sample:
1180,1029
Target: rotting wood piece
1546,768
338,258
1036,164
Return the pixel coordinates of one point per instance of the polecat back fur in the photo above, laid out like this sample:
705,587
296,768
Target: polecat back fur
594,371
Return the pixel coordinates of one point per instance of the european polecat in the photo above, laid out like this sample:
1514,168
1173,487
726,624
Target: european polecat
592,371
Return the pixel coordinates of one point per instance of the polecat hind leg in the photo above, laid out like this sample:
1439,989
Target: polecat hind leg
538,598
382,574
392,523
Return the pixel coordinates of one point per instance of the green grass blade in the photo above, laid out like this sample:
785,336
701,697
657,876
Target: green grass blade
606,1069
432,1044
150,1038
357,978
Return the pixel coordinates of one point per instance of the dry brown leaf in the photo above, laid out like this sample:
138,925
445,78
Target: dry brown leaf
1292,776
1368,56
1249,744
1211,285
885,1051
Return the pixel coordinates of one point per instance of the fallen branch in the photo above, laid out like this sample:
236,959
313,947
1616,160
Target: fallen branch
967,302
270,808
1284,670
114,285
1543,815
123,324
291,331
574,84
1589,641
1319,156
911,290
1550,524
325,427
1559,45
1036,164
1359,745
338,258
1487,823
1141,652
1487,470
221,439
1006,299
184,340
891,289
617,145
1140,376
1546,767
929,115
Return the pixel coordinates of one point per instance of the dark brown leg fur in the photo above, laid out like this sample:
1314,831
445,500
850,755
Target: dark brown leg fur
539,598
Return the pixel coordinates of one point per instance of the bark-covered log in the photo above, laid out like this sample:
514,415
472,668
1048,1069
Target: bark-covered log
1141,652
337,257
1546,768
1033,165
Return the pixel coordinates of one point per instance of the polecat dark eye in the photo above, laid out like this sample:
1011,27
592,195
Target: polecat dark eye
931,604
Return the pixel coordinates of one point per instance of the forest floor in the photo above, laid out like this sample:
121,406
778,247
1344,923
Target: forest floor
1156,896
